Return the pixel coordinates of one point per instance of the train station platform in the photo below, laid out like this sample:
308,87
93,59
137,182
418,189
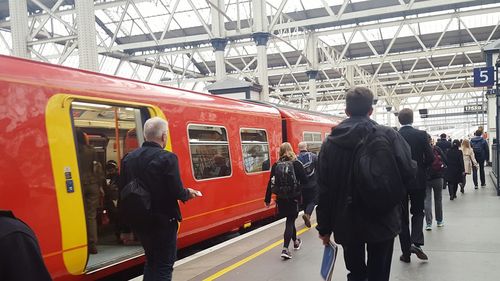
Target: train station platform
467,248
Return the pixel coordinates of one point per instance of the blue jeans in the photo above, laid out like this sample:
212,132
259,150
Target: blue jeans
160,247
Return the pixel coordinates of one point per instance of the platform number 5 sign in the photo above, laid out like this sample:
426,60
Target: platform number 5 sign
483,76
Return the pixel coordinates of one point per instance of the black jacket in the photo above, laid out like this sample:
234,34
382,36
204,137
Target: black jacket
159,170
421,152
20,257
334,170
455,170
444,145
299,173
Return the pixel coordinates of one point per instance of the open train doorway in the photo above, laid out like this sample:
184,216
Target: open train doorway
104,133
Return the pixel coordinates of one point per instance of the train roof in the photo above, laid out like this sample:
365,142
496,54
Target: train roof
63,78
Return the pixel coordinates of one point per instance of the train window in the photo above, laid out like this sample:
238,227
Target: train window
104,133
209,151
313,140
255,149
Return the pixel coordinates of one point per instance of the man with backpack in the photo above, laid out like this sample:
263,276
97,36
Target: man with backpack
362,171
309,190
421,152
482,153
150,186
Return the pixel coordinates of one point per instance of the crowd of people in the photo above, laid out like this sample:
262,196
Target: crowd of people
371,184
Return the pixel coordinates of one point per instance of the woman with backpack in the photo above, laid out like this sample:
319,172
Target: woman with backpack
286,176
469,161
435,184
455,170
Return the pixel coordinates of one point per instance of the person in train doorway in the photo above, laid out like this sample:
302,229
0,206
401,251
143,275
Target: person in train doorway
158,170
310,189
345,208
421,151
111,195
91,177
287,175
482,153
21,258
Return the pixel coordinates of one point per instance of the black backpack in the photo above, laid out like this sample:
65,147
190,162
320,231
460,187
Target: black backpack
375,176
307,162
135,199
285,184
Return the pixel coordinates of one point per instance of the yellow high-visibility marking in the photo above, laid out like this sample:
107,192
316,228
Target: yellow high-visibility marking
251,257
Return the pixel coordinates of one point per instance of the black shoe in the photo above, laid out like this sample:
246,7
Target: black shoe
285,254
419,252
451,197
462,189
475,187
483,185
405,258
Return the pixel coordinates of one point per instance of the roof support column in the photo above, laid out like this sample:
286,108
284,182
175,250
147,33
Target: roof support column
312,75
261,37
18,10
219,41
87,46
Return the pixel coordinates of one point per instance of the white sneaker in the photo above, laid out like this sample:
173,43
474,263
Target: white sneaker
428,227
285,254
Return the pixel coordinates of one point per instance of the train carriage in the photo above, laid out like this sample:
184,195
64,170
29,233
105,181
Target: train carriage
224,148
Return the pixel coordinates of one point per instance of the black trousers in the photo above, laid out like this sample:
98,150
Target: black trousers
378,266
481,173
415,198
160,248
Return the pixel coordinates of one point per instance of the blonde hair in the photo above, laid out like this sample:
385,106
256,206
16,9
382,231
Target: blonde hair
466,144
286,152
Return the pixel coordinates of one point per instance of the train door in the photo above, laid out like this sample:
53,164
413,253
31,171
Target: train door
88,138
104,132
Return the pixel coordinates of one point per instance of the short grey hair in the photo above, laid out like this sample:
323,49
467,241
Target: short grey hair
302,145
154,128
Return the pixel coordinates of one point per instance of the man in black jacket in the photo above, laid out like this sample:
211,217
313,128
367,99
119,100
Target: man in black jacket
443,143
158,169
353,226
20,257
421,152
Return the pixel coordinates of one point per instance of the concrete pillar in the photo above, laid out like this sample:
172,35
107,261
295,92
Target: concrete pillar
261,39
87,45
18,10
219,44
491,105
312,75
261,36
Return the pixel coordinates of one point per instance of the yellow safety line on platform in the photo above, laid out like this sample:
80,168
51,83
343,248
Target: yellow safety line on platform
251,257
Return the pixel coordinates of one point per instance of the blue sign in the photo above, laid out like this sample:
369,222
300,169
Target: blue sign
483,76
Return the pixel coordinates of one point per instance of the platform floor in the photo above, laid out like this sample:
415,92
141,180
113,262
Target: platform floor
467,248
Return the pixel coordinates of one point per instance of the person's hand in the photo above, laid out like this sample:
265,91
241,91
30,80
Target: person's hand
325,239
193,193
267,204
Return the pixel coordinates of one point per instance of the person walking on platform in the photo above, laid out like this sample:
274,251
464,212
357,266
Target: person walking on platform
455,171
482,153
443,143
285,181
310,190
343,207
158,170
435,180
470,162
421,152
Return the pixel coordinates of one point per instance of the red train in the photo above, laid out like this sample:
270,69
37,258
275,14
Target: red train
224,148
